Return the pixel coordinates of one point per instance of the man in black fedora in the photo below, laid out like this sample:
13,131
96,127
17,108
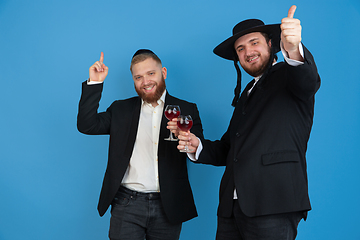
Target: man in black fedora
264,189
146,180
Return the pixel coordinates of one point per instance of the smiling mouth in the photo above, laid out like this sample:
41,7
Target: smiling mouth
149,88
252,59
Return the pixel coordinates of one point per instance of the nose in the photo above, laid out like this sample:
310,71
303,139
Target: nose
248,51
146,80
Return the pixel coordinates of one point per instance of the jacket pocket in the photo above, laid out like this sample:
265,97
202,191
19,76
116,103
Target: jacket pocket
280,157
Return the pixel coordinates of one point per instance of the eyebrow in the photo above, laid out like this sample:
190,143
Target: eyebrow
139,75
251,40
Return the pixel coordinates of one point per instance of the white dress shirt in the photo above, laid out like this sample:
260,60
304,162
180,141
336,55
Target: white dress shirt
142,173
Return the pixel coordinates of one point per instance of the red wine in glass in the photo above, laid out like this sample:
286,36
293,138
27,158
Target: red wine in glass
185,123
170,114
171,111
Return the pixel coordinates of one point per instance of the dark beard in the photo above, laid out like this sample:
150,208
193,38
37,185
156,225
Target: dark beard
258,71
160,88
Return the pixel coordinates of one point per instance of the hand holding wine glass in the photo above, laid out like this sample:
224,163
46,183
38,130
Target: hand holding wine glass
185,123
171,112
189,139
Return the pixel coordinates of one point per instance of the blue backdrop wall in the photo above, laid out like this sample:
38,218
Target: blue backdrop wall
50,174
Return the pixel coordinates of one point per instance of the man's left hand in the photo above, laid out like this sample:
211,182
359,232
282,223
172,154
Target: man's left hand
291,34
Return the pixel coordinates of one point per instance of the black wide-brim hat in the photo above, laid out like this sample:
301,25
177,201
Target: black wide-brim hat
226,48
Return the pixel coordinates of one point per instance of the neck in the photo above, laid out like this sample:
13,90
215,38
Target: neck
154,104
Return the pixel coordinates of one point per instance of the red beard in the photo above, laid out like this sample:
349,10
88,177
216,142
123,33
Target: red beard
152,97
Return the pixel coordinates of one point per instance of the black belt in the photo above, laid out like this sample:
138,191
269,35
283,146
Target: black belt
135,194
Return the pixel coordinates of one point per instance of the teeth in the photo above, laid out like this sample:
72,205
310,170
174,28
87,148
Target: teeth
252,59
149,88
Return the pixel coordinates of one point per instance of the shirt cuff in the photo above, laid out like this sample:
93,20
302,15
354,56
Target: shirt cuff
88,82
290,61
195,156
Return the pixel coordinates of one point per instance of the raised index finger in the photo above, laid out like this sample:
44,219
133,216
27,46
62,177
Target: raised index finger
102,57
291,11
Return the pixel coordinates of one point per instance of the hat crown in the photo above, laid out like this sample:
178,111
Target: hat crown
247,24
226,48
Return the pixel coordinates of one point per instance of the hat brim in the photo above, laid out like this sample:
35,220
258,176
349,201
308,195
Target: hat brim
226,48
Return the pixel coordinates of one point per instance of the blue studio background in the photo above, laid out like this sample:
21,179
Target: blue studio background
51,175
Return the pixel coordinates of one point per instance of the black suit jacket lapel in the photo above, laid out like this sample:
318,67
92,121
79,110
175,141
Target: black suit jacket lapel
244,98
134,123
164,120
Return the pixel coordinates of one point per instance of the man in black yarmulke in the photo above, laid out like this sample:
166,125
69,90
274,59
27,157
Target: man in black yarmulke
146,179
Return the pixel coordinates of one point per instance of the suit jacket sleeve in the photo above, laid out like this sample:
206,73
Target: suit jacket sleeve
215,152
303,80
89,121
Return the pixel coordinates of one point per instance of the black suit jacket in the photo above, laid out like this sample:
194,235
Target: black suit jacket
265,144
120,121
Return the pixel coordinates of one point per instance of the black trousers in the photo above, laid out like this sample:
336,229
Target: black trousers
139,216
270,227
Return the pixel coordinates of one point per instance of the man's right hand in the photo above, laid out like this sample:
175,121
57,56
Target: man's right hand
98,71
188,138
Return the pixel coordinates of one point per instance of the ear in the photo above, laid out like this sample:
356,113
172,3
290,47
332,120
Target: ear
269,43
164,72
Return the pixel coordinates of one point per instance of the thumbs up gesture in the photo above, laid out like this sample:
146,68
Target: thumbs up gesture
291,34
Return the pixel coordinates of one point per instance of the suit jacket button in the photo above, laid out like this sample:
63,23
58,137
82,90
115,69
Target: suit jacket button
235,160
243,113
237,134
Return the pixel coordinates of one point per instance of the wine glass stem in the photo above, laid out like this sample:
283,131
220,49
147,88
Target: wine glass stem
186,148
171,135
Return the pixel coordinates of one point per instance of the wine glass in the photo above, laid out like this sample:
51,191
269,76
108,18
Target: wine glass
185,123
171,111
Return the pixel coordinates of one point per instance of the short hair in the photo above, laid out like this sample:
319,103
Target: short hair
266,36
142,55
267,39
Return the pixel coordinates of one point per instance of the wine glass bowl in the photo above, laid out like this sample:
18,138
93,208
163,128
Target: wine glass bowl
171,112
